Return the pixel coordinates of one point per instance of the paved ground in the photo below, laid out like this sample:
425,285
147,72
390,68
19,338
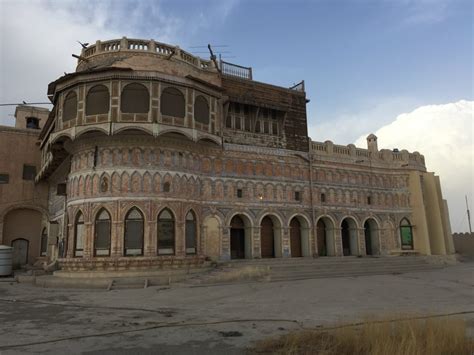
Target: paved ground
215,319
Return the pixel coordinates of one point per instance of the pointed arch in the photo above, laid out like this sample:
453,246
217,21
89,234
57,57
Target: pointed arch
191,232
134,232
79,235
102,235
166,232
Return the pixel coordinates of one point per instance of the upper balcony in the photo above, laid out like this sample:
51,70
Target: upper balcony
139,46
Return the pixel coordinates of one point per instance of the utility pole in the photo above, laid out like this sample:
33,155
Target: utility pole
468,216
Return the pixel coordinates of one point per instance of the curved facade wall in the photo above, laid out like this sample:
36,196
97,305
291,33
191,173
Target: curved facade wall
163,167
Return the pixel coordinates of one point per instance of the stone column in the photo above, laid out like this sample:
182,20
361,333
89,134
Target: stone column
149,244
201,240
256,245
180,248
1,232
88,241
117,238
337,239
285,242
225,245
70,242
361,241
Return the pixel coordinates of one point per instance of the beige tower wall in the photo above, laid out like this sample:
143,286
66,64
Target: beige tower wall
444,211
433,214
421,242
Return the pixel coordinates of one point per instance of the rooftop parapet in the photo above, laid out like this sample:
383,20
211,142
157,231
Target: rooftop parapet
351,153
143,46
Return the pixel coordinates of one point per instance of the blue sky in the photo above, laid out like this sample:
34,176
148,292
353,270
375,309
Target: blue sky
366,64
362,61
355,56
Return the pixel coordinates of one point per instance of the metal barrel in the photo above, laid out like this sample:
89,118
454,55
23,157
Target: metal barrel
6,260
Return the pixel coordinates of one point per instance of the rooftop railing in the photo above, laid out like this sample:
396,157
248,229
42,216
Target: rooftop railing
298,87
139,45
235,70
364,155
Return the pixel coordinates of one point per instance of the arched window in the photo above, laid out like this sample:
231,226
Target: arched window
201,110
97,100
102,234
135,99
166,186
79,236
133,244
406,234
172,103
166,233
70,106
191,233
44,243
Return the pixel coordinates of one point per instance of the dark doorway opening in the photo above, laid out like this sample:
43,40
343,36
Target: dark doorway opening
368,238
237,238
346,238
295,238
267,238
20,252
321,238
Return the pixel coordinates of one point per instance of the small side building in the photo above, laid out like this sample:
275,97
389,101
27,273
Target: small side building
23,203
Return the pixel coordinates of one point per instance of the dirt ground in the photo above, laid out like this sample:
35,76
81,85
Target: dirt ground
220,319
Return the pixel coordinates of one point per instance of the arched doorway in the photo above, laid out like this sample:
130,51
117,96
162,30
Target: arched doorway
237,238
371,237
349,237
22,229
325,237
295,238
20,252
406,234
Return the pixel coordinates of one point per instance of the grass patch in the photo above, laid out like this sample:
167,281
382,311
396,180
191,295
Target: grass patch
445,336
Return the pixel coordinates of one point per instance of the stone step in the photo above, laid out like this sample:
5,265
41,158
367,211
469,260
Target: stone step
352,273
343,266
387,268
321,260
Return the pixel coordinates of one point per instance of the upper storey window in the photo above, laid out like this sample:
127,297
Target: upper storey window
32,122
70,106
97,100
201,110
135,99
172,103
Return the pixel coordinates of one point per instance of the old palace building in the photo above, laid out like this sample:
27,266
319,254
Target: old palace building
155,157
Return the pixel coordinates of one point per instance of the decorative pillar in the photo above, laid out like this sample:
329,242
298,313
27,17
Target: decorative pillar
124,44
149,245
285,241
361,241
225,245
70,242
337,241
256,245
179,239
98,47
116,240
88,241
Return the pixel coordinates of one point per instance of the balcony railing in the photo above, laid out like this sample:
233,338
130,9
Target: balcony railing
150,46
235,70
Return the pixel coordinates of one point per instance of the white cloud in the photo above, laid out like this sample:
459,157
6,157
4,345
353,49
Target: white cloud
444,135
37,39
